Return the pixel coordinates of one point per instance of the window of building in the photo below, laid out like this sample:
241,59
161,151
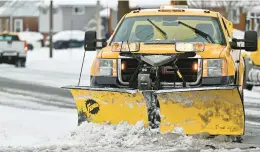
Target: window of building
78,10
235,15
18,25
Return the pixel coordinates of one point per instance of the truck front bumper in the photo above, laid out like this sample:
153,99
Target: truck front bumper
113,81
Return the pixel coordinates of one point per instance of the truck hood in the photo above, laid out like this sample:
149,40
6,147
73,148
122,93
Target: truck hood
210,51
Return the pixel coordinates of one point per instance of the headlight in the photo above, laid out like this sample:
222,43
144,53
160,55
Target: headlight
106,67
214,67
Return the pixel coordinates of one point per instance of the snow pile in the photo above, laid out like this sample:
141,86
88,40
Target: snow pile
30,36
33,38
238,34
121,137
105,13
68,35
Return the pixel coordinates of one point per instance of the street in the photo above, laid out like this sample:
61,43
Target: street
24,96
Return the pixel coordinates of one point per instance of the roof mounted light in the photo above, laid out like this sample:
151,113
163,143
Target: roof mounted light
189,47
125,46
173,7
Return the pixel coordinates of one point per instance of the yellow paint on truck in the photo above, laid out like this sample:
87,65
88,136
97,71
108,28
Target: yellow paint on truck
217,111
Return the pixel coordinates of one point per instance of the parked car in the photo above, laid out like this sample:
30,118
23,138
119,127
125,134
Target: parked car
67,39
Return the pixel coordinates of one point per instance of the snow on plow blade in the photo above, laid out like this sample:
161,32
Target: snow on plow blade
113,106
217,111
212,110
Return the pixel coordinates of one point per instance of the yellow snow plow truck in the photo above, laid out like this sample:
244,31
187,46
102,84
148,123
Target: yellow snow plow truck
173,68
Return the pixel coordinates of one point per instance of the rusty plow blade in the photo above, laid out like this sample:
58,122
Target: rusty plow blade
212,110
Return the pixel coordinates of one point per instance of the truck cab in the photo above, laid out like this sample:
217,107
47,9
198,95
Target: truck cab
201,39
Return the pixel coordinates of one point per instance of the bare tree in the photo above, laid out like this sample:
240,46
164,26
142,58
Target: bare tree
228,5
178,2
123,8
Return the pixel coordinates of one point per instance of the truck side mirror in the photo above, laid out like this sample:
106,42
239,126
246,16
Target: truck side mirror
251,41
90,42
233,43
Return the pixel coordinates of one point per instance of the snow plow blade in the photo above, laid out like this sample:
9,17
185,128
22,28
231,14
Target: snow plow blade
217,111
212,110
110,106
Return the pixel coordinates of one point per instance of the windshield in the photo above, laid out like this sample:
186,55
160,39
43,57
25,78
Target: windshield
143,29
7,37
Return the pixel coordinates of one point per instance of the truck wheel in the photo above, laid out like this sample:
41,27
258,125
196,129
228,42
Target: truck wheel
23,64
20,63
247,68
249,87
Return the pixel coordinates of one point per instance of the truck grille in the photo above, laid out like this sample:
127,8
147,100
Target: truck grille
186,67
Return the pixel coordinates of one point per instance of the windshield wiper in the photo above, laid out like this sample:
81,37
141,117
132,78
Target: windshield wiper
159,29
197,31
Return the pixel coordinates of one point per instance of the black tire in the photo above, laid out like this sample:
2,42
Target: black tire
247,68
249,87
20,63
23,64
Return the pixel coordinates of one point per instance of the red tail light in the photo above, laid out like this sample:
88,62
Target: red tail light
25,46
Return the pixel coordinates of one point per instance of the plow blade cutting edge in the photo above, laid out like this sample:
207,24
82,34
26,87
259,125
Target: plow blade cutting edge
212,110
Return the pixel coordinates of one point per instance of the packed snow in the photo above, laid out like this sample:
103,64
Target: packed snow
238,34
30,36
33,38
69,35
25,127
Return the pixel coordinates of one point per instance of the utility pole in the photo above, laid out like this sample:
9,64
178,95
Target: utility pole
110,20
98,22
51,28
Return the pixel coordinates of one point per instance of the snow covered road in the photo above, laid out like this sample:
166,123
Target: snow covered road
41,118
37,115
